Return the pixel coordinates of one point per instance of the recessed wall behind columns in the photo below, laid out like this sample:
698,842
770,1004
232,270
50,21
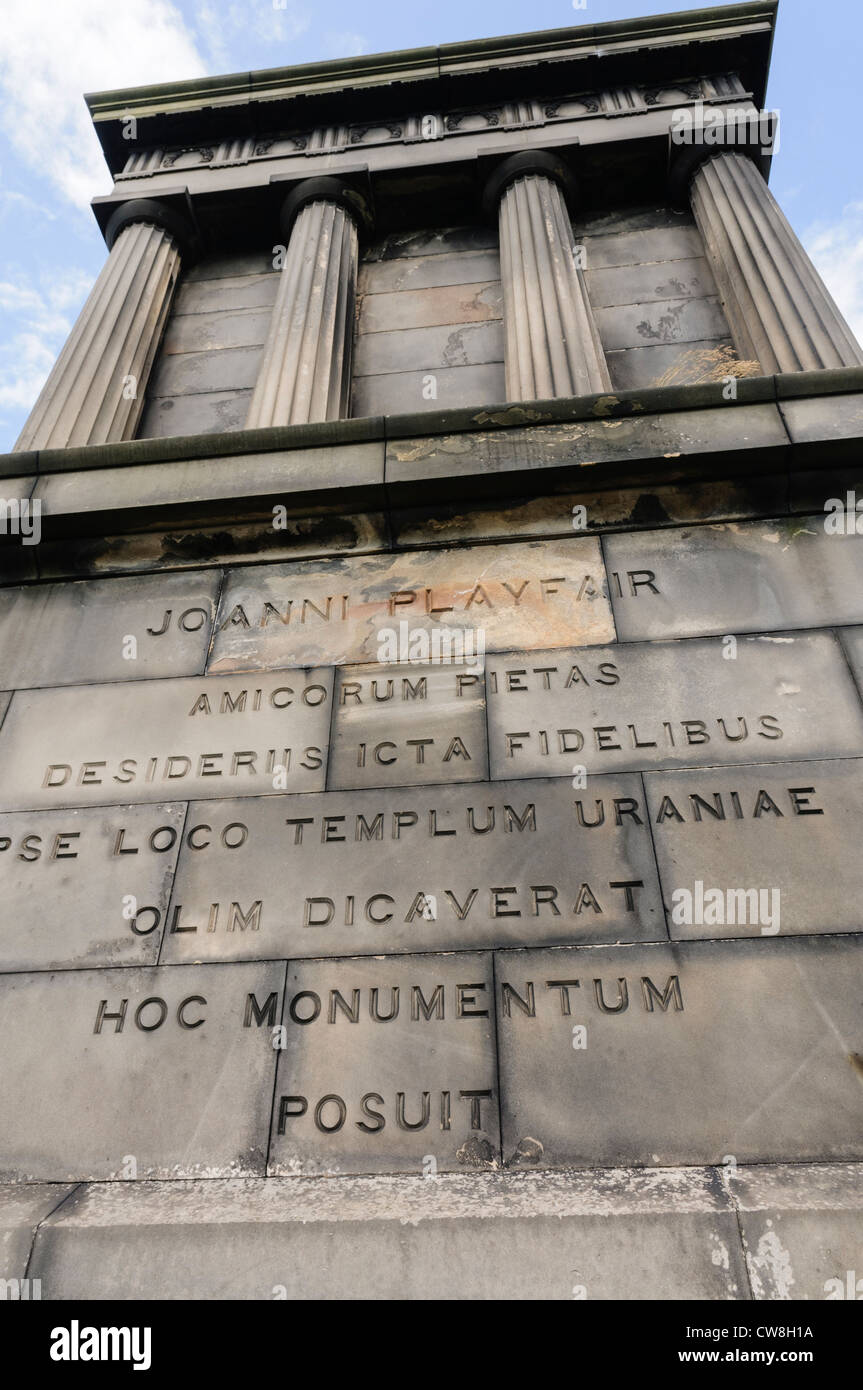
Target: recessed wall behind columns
654,297
208,361
429,322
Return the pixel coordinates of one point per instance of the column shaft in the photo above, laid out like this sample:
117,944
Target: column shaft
552,345
778,307
305,372
95,392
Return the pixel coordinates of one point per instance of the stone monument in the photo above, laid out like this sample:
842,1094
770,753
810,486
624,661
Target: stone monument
431,638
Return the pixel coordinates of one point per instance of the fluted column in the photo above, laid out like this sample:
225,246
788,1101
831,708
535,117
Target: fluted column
778,308
305,372
95,391
551,342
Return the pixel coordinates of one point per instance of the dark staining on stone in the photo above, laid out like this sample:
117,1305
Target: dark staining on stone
477,1153
678,289
649,511
455,353
512,415
667,329
612,405
527,1151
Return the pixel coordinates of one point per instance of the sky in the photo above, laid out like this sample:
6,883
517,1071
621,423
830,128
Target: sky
51,165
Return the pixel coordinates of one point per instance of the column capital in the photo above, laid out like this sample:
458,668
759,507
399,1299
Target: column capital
778,308
155,213
326,188
747,136
519,166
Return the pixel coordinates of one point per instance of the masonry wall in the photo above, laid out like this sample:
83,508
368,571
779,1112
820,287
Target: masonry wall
208,361
429,322
429,329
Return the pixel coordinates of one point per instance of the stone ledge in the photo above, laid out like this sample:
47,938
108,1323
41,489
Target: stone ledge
625,1233
629,1234
506,415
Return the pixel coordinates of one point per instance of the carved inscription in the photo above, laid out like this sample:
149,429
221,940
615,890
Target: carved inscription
535,593
107,744
670,704
122,629
135,1073
740,577
86,887
408,870
387,1064
402,726
791,830
615,1055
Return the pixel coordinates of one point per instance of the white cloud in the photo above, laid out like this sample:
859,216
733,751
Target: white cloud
345,44
837,250
52,52
37,315
13,201
222,27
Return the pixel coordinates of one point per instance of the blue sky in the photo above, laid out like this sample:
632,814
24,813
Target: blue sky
50,163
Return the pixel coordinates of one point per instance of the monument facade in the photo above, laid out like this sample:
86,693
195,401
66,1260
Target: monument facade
431,644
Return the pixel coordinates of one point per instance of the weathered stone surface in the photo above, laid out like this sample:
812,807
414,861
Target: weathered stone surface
455,304
275,477
633,368
86,399
64,634
552,341
852,641
522,1236
346,874
524,518
652,244
684,320
778,307
305,369
394,1073
825,424
188,373
214,331
104,745
668,704
163,1097
179,548
426,349
491,596
393,392
790,831
745,577
438,241
222,267
648,282
22,1207
802,1229
227,294
428,272
693,439
407,725
86,887
691,1052
199,412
